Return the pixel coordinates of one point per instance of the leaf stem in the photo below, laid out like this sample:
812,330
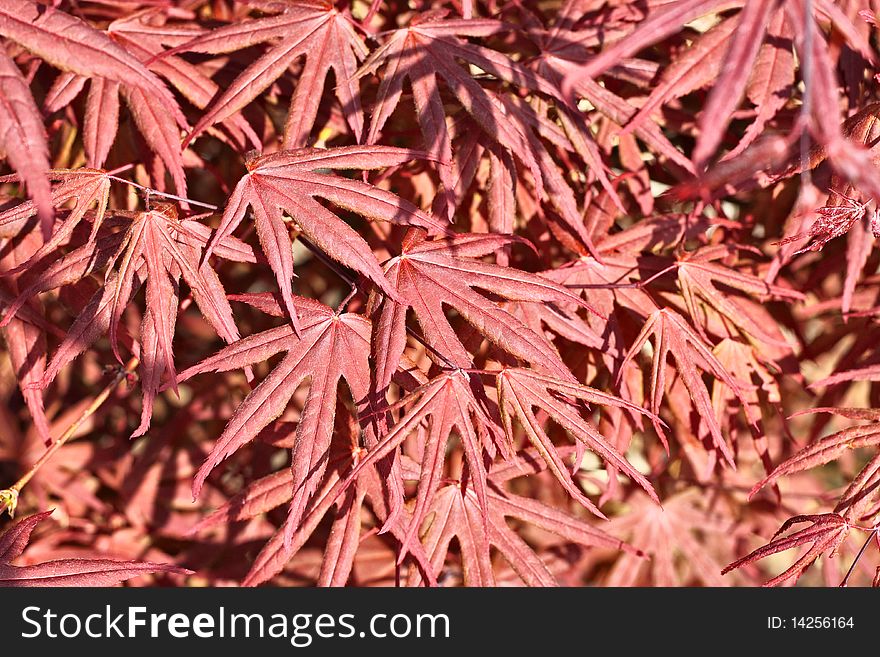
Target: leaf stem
425,344
155,192
9,496
871,532
336,269
122,169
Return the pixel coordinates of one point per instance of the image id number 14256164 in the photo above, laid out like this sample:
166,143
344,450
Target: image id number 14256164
810,623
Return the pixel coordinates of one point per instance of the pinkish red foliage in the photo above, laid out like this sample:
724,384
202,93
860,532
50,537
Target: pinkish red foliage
574,292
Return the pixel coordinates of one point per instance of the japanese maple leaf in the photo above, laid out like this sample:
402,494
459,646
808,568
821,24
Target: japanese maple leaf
23,138
826,533
277,489
861,494
344,505
673,335
699,277
520,391
745,44
76,47
274,555
833,220
769,81
576,136
548,321
858,503
846,210
455,513
101,117
144,34
87,188
682,539
432,273
66,572
746,363
607,284
71,44
694,67
289,182
564,52
739,62
310,28
772,78
472,144
156,248
327,348
446,404
426,51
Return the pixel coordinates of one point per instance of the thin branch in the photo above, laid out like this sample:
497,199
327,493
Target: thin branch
807,106
845,580
9,496
154,192
334,267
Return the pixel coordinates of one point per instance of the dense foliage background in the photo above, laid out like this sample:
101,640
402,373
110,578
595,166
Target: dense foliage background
456,293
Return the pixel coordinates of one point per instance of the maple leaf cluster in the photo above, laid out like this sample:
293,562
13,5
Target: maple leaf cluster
305,292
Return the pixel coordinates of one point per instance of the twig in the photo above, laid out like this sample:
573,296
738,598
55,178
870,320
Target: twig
9,496
807,105
864,547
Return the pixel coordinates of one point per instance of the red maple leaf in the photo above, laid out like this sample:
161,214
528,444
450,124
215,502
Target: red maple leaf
66,572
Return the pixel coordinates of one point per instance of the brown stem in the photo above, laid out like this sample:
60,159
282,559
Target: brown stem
845,582
9,496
